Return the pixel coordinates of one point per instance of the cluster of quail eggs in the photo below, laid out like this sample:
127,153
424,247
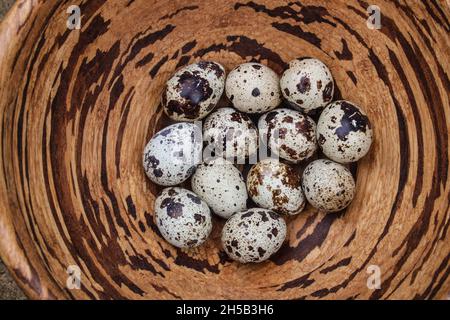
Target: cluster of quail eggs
262,111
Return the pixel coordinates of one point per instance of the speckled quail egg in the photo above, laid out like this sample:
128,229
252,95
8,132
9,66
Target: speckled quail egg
183,219
253,88
289,133
276,186
194,91
253,235
221,185
328,186
172,155
230,133
307,84
344,132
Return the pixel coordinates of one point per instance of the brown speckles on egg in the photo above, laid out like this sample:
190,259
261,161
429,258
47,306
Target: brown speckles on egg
344,131
303,84
289,133
319,84
231,134
328,186
173,209
353,120
212,66
256,92
328,92
253,88
248,232
276,186
215,183
321,139
158,173
194,198
194,91
176,214
169,156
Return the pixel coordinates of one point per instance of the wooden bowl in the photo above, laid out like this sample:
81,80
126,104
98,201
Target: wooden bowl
78,106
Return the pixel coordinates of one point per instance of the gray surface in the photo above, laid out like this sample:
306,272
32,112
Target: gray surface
8,288
4,6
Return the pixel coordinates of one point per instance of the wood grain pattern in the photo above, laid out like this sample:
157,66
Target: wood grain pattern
77,108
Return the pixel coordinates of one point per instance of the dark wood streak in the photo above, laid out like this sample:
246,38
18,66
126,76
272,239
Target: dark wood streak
171,15
126,110
24,172
298,32
305,246
346,54
340,264
404,162
306,14
96,28
352,76
421,226
246,47
154,71
302,282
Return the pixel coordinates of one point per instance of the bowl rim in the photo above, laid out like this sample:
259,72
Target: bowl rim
30,281
36,284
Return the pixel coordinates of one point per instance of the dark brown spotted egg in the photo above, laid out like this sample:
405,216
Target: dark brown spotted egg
276,186
344,132
253,235
194,91
328,186
253,88
183,219
231,134
289,133
172,155
221,185
307,84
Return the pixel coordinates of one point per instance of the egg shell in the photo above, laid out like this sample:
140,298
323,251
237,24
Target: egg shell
276,186
183,219
194,91
328,186
253,235
231,133
172,155
253,88
289,133
307,84
221,185
344,132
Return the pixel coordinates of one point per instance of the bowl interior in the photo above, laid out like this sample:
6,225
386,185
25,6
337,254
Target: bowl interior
79,106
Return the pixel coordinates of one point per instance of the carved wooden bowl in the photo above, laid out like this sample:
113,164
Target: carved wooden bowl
78,106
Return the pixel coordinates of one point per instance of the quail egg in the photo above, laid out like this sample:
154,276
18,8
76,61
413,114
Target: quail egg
231,133
172,155
253,235
183,219
344,132
194,91
307,84
276,186
328,186
253,88
221,185
289,133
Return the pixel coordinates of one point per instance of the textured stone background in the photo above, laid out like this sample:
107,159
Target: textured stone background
8,288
